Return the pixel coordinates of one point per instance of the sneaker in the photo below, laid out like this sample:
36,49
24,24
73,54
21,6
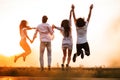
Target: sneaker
42,68
67,67
62,65
74,57
49,68
87,53
82,55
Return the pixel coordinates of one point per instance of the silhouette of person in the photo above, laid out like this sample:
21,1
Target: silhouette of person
67,41
23,42
81,29
45,32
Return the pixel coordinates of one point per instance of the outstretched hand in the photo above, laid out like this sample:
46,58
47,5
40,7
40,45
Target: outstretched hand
34,28
91,6
31,41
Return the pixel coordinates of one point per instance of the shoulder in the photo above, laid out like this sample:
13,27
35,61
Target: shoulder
47,24
86,24
44,24
62,28
39,25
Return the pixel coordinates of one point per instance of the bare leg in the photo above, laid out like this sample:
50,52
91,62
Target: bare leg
64,58
17,57
69,56
27,50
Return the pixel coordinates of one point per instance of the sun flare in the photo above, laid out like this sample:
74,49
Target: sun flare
102,36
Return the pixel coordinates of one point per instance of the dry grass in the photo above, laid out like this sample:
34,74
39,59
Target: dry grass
57,72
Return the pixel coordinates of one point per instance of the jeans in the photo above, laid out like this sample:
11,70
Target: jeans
44,45
84,46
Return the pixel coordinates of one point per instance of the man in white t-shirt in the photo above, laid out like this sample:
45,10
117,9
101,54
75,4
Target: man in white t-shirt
45,31
81,29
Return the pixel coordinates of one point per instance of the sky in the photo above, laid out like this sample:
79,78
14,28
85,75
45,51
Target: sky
103,30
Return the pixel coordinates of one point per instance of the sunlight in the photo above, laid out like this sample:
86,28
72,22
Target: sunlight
100,31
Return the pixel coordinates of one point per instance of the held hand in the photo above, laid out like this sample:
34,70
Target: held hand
34,28
72,7
53,26
31,41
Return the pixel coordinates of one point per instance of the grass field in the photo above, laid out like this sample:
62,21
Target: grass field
58,73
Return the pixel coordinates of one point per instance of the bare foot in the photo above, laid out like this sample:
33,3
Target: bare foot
15,59
24,58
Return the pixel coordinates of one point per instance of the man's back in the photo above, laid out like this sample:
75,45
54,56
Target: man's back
44,30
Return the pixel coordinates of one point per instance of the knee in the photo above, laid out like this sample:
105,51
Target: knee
64,56
28,51
49,56
78,53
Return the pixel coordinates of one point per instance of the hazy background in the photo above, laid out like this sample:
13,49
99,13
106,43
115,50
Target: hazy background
103,30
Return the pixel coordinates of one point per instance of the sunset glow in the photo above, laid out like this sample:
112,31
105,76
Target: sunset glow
103,30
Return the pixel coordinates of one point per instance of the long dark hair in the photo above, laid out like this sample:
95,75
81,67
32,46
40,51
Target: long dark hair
80,22
66,25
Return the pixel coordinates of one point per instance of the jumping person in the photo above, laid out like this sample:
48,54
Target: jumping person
67,42
81,29
23,42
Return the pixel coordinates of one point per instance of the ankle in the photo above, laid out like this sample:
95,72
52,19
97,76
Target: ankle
49,68
67,65
62,65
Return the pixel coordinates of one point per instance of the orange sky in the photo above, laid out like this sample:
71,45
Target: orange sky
103,30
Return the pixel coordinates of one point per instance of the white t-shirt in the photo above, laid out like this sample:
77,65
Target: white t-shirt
45,32
66,40
82,34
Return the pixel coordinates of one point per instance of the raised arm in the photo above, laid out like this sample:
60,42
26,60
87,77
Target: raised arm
73,12
70,15
90,11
